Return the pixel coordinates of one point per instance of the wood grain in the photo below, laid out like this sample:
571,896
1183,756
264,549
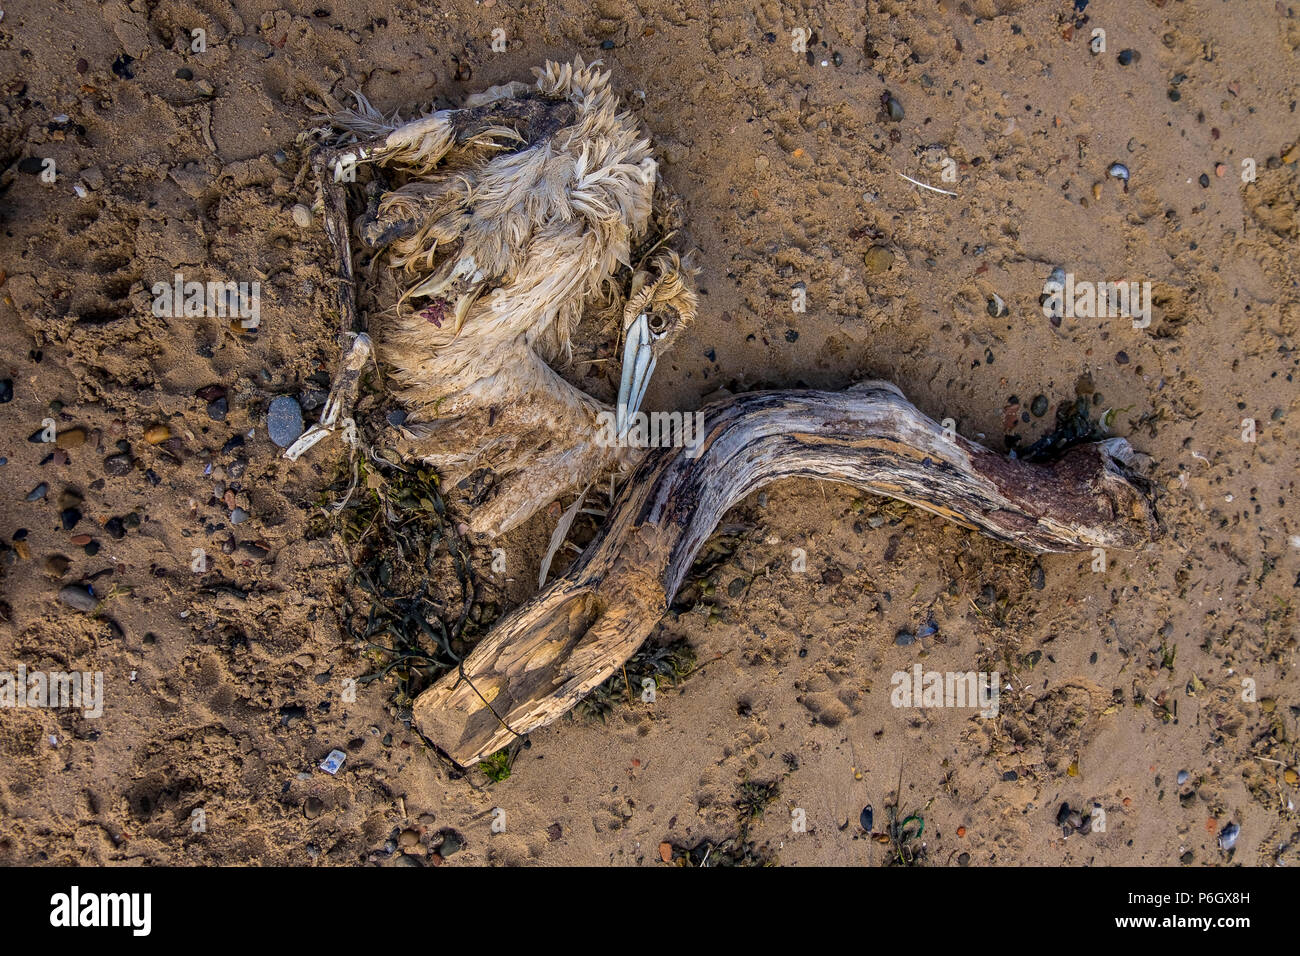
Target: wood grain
544,656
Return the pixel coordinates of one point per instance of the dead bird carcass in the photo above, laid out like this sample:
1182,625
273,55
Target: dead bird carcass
501,223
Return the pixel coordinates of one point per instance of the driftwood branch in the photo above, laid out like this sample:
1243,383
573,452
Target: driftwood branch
544,656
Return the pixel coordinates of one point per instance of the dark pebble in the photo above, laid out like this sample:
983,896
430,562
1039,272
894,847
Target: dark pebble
217,410
451,843
1039,406
122,66
736,587
867,818
1063,815
69,518
6,390
904,638
1128,56
895,109
116,528
791,335
236,468
1121,358
1204,180
92,548
210,393
963,859
37,493
1175,96
185,73
1010,775
117,465
284,420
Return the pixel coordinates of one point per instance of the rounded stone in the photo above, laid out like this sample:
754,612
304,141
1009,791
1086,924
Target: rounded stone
284,420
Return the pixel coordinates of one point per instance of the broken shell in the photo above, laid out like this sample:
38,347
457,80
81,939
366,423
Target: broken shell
1118,171
1228,836
1054,293
996,307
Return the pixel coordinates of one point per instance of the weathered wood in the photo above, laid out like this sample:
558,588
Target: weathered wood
544,656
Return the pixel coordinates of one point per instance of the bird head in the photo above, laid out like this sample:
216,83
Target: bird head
661,304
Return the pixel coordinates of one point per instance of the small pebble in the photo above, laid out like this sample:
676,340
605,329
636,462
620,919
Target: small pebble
1039,406
157,434
75,596
1128,56
284,421
6,390
1121,358
904,638
72,438
878,259
866,818
117,465
37,493
238,516
1204,180
1183,777
301,216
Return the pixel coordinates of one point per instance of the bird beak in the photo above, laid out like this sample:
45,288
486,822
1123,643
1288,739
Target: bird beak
638,366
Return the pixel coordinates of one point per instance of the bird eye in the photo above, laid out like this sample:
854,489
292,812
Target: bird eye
658,323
